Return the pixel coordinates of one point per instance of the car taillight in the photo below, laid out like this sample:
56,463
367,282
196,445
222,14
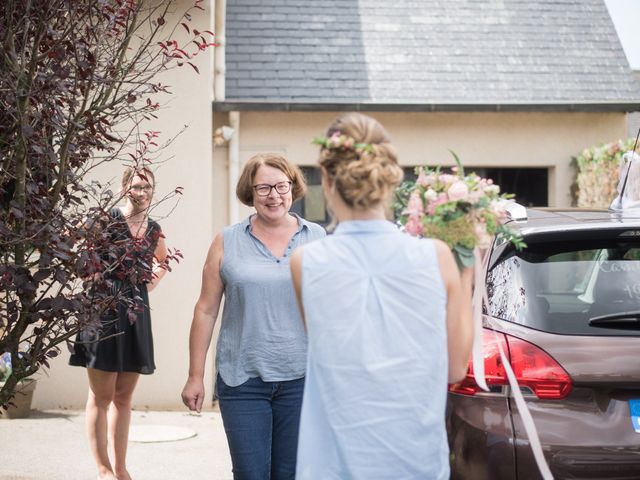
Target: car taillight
533,368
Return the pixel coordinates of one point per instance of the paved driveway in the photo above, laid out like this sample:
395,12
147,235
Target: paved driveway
51,445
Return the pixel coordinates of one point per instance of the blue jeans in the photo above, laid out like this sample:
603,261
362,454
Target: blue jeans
261,420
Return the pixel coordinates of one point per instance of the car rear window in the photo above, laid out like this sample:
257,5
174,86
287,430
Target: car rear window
562,286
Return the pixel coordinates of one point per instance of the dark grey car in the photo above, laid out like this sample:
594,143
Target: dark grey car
567,309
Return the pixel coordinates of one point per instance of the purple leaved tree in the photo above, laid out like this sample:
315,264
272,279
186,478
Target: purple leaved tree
78,80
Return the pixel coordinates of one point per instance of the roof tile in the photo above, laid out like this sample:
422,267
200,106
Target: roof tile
416,51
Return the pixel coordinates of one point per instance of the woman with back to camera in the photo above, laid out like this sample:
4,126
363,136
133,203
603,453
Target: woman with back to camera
261,351
123,349
387,314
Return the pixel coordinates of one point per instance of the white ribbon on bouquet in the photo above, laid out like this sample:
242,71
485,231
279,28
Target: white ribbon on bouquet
480,299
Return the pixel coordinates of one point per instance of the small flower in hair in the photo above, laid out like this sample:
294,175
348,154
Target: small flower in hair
342,143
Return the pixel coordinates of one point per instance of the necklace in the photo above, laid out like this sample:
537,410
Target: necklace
137,228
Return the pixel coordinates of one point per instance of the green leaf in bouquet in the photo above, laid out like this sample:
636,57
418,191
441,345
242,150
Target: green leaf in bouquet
464,256
458,163
402,194
483,202
455,232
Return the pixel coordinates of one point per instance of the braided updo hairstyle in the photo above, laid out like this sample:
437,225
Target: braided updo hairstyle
363,178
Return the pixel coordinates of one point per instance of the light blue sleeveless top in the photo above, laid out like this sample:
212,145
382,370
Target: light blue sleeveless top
376,385
262,334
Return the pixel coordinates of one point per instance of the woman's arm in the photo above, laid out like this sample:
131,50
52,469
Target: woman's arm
205,314
296,276
159,268
459,312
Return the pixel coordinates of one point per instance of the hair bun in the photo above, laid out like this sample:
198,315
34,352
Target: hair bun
368,180
358,156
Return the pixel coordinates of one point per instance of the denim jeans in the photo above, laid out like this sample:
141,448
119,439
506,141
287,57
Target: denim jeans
261,420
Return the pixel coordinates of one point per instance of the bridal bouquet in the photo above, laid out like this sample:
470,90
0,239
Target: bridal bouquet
464,211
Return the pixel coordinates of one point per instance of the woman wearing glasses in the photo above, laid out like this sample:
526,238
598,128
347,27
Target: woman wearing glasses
261,350
116,355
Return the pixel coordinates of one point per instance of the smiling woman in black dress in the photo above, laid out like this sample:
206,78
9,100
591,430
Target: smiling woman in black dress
122,349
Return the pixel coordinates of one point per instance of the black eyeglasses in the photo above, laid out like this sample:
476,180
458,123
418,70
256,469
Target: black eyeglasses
142,188
263,190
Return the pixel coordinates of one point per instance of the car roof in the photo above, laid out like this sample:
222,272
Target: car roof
543,220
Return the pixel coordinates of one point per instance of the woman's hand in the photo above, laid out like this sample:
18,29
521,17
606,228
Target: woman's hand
459,312
159,268
204,319
193,394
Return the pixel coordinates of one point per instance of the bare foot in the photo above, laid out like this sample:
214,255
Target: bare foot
122,475
106,475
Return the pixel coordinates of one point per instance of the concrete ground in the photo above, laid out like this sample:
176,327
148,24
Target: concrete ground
51,445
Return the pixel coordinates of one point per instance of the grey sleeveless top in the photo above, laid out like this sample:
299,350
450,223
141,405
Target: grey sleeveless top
262,334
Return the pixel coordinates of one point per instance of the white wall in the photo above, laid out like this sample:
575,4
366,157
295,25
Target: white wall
481,139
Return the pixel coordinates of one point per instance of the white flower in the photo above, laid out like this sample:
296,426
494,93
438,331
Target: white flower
430,195
492,189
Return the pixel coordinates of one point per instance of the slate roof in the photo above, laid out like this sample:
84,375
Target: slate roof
426,54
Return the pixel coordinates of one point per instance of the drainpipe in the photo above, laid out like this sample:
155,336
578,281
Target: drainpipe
234,167
219,94
219,68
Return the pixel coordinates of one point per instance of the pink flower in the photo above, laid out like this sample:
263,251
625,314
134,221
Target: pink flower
499,208
475,196
414,206
484,239
424,180
458,191
431,208
335,139
448,179
414,225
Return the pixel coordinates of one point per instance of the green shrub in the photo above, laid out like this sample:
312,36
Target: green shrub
598,176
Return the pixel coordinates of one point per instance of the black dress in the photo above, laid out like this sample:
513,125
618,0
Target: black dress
124,343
